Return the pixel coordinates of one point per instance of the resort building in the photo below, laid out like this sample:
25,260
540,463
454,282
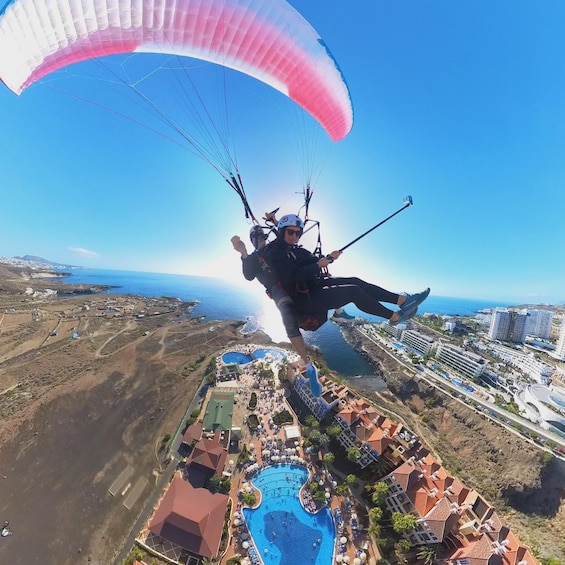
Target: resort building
357,421
405,445
539,322
449,325
394,330
452,514
189,517
193,434
559,352
334,396
219,411
229,372
448,511
418,341
526,362
423,486
466,363
495,543
192,518
508,325
207,458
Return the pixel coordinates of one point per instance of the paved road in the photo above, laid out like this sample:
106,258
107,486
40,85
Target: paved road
484,406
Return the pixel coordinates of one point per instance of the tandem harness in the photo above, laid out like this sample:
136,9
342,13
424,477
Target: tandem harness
309,318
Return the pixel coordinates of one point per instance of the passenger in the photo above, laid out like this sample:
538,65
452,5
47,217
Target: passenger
255,266
301,274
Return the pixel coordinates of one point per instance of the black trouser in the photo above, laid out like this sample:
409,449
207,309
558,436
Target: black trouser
339,291
287,309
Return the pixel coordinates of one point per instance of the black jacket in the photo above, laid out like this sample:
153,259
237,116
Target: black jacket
295,268
256,266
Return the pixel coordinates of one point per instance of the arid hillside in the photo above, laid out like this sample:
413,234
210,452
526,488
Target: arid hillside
89,387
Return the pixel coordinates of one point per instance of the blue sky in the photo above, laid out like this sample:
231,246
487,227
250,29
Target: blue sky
459,104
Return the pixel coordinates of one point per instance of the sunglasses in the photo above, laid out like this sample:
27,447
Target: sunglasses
291,231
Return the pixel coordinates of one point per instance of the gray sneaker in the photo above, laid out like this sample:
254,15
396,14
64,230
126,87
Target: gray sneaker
414,300
343,315
404,315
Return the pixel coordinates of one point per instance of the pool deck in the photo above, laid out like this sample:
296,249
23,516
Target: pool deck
272,400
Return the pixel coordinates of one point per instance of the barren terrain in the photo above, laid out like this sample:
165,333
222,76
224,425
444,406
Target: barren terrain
76,412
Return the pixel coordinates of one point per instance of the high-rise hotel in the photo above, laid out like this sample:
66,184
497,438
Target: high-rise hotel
508,325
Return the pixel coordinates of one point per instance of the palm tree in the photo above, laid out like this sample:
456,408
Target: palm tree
403,523
427,554
380,493
353,454
380,467
328,458
311,421
374,530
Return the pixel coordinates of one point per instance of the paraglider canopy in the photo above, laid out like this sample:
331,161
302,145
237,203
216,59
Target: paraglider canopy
267,39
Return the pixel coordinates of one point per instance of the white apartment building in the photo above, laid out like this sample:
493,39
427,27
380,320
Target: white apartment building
421,343
524,361
539,322
507,325
464,362
394,331
559,352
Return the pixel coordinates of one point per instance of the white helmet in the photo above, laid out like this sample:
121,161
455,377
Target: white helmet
290,220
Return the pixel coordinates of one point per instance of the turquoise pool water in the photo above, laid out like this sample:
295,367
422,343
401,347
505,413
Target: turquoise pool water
275,353
283,532
236,357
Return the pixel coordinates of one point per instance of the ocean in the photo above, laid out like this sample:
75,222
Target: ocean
222,300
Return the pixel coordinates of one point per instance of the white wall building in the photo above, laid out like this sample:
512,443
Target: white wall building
464,362
559,352
545,406
526,362
418,341
508,325
394,330
539,322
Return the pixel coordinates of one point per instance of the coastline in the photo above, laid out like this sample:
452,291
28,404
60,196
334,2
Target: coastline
107,399
86,408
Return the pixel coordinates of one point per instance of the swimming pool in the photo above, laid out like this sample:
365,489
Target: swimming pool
282,531
274,353
236,357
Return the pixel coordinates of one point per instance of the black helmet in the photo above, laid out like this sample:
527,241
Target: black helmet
256,233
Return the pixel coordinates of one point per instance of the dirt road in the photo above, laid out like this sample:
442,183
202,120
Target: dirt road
79,412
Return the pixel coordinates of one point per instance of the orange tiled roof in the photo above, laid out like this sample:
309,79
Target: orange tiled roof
486,550
210,454
191,517
349,414
193,432
439,498
441,519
